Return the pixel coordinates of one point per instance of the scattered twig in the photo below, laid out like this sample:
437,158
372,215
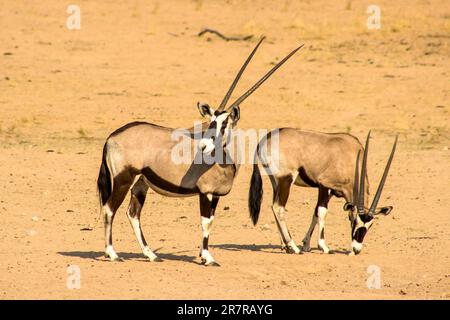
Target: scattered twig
220,35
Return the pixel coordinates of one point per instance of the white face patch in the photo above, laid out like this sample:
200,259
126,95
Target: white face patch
356,246
219,122
207,144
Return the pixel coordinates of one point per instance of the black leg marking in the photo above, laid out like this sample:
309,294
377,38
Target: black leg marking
207,211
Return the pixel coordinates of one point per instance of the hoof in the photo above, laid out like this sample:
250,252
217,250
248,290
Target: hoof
210,263
287,249
290,250
115,259
306,248
157,259
325,250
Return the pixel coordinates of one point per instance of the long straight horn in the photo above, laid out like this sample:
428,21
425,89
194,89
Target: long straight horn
383,180
238,76
356,181
261,81
362,181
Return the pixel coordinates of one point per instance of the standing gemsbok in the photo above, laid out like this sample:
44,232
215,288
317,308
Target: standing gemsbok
320,160
145,149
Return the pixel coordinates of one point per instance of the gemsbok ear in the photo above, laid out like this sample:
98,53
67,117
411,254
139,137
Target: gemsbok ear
348,206
235,113
204,109
383,210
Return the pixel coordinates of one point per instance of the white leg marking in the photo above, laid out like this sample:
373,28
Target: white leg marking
283,229
111,254
206,229
135,223
293,246
206,226
109,251
322,212
207,257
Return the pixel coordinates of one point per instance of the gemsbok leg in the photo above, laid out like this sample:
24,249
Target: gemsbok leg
281,191
119,191
318,217
207,210
138,195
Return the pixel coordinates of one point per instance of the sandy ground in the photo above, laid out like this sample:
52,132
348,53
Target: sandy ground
62,92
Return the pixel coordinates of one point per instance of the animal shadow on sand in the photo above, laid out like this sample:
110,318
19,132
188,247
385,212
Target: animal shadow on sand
269,248
100,256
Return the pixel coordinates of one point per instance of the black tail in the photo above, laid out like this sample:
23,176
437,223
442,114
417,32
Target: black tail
255,194
104,186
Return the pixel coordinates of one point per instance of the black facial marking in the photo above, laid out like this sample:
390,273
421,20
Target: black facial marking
213,125
224,125
359,235
365,218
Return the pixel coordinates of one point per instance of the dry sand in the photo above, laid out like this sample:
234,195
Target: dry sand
62,92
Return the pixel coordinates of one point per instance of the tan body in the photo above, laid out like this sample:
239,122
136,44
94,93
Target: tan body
325,161
316,158
147,149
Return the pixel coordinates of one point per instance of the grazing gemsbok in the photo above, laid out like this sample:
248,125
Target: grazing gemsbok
145,149
320,160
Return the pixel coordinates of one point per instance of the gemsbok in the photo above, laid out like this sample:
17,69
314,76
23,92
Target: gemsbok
145,149
320,160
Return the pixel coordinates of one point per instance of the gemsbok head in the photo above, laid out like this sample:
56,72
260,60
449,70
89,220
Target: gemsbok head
224,119
361,217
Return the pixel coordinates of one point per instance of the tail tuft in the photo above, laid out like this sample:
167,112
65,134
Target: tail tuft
255,194
104,185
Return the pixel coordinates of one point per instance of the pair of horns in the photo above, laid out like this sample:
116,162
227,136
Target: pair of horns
358,186
260,82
